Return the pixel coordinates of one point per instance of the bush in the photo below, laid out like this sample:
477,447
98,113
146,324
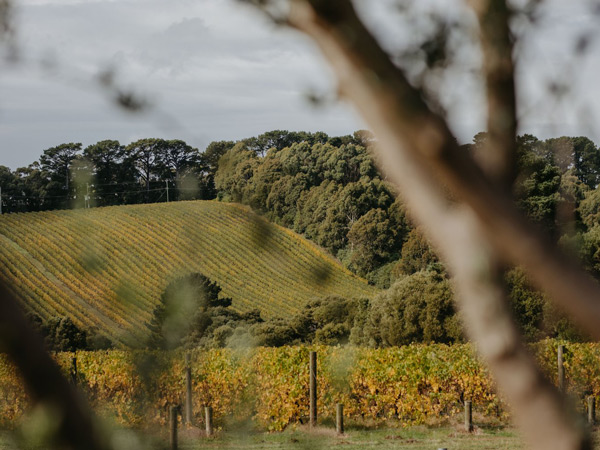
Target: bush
417,308
62,335
417,255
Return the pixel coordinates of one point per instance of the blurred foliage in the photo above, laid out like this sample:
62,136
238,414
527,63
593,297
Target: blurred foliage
184,311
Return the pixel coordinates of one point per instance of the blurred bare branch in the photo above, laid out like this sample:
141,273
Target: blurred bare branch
419,153
7,29
75,428
396,109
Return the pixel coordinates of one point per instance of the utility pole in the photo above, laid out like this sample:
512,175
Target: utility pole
87,196
167,183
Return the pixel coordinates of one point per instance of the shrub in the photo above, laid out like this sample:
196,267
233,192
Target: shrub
417,308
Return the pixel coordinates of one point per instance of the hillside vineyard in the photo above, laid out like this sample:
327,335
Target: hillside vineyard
106,268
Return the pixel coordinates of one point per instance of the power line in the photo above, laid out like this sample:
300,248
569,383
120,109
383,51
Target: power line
97,195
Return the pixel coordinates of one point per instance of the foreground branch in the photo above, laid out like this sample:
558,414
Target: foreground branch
419,154
538,408
391,106
43,380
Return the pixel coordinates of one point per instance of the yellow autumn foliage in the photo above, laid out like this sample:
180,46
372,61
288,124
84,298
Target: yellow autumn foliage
411,384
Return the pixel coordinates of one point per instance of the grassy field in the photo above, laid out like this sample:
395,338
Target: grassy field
107,267
414,438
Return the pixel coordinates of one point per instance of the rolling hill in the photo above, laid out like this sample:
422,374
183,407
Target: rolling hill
107,267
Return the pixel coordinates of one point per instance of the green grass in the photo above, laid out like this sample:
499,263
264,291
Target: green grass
107,267
415,438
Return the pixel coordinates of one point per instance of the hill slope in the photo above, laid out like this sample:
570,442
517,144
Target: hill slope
107,267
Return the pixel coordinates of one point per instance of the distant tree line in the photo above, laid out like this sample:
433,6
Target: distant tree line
330,191
104,174
145,171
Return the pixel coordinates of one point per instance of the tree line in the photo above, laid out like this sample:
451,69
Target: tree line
145,171
103,174
332,193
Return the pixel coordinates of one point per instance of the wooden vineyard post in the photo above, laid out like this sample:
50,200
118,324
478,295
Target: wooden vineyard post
339,422
313,389
591,403
468,416
561,369
188,390
173,422
74,370
208,415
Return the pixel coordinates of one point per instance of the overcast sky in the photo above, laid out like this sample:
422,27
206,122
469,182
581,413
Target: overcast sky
216,70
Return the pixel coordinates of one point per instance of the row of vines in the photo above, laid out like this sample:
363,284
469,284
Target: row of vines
412,384
107,267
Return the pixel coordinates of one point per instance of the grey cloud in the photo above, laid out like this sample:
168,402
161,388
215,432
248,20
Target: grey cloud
214,70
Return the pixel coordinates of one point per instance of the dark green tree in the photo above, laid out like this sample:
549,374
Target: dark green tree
259,187
417,255
528,305
9,184
210,164
536,316
327,320
589,208
538,183
114,175
578,154
145,155
213,153
31,187
62,335
374,240
55,165
417,308
277,139
236,169
282,201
